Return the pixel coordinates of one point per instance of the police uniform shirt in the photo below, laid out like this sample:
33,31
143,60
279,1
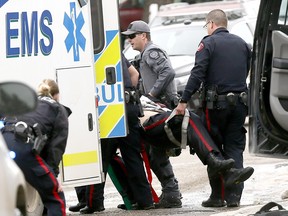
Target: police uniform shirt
156,72
222,59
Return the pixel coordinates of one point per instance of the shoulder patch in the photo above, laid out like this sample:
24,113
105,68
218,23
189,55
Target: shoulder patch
154,54
200,47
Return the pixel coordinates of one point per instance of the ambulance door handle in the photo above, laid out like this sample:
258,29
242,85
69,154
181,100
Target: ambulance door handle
110,75
90,122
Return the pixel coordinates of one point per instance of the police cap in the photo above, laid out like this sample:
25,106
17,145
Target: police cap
137,26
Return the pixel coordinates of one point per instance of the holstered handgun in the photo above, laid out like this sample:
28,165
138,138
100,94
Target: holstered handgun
211,97
40,139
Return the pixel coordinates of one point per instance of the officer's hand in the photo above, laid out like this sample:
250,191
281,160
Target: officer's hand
180,109
60,189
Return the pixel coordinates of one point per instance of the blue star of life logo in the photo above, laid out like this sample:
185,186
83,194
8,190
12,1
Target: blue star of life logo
75,38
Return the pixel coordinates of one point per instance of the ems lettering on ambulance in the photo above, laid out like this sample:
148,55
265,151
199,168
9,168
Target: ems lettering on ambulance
33,32
19,26
111,107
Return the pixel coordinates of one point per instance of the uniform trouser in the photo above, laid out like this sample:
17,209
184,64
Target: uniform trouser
226,127
130,148
200,141
93,195
38,174
162,168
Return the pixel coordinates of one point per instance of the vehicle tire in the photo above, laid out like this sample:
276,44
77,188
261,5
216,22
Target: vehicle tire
34,205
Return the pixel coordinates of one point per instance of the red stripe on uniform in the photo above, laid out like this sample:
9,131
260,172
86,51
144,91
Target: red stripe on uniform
221,176
155,124
200,135
55,183
148,171
90,199
208,120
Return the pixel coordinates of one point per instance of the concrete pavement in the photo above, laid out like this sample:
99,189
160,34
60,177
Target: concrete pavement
268,183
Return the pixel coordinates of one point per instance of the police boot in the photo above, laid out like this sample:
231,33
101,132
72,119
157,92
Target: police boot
169,200
213,203
236,176
77,207
218,165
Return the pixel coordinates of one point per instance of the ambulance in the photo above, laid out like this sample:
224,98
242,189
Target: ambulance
76,43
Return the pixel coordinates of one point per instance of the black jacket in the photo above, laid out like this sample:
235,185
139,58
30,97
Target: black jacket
53,120
222,59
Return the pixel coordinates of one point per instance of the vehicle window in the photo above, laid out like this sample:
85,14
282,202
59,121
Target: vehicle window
283,13
97,26
242,30
179,41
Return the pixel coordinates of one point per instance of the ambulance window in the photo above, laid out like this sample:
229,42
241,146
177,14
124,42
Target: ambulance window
97,26
283,13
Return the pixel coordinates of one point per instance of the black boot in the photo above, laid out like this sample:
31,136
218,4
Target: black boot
169,200
76,208
213,203
236,176
217,165
88,210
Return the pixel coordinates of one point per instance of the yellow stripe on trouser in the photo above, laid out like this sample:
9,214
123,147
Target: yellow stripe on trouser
80,158
109,118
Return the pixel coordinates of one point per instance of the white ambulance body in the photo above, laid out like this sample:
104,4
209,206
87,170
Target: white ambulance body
53,39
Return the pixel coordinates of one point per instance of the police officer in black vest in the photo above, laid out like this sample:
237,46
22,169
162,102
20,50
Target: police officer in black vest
39,140
222,64
130,147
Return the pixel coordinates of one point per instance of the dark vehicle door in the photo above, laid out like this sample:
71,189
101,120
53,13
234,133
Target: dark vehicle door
268,117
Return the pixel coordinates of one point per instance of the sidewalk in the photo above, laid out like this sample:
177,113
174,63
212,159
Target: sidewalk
267,184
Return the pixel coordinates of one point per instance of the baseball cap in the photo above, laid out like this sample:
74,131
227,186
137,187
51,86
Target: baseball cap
137,26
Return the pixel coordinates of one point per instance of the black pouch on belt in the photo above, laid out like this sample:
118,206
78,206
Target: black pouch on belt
231,99
21,131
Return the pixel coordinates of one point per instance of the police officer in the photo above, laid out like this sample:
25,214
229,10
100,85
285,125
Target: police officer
130,148
40,166
222,64
158,84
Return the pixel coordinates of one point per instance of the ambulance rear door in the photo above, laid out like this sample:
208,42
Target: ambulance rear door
108,69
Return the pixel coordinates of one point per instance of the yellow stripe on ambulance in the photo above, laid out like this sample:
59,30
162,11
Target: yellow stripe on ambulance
111,106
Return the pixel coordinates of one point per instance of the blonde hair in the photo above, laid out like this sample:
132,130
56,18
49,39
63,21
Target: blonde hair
48,88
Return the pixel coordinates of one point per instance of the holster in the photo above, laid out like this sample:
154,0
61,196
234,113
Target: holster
134,97
211,97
